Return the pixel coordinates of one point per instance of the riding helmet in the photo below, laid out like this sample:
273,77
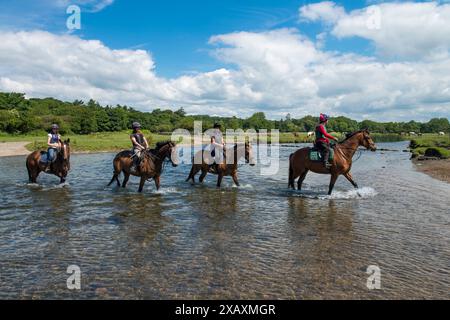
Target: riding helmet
324,117
136,125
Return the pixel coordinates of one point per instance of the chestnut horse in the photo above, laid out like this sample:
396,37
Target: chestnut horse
60,167
151,165
300,164
223,169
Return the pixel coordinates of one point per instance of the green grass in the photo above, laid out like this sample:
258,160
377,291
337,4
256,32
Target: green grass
431,144
106,141
113,141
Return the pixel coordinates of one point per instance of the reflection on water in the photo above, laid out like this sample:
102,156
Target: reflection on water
257,241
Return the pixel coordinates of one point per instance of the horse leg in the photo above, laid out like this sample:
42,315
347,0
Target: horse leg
332,183
141,184
293,173
203,176
219,180
349,177
301,179
194,171
34,176
190,174
235,179
157,182
125,179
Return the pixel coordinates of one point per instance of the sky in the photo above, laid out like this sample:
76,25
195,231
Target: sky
367,59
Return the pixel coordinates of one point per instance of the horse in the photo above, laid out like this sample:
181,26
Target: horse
60,167
300,164
239,151
151,165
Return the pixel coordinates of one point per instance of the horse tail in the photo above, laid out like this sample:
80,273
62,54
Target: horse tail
291,172
117,170
29,170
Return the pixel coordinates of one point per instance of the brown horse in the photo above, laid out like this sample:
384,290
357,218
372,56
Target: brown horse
300,164
151,165
239,151
60,167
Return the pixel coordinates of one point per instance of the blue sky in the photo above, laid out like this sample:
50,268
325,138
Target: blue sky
176,32
235,57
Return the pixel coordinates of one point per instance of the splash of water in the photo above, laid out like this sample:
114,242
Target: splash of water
362,193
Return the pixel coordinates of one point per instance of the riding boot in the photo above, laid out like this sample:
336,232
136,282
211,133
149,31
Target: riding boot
326,157
135,165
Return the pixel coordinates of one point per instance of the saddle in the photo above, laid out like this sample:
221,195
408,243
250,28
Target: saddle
315,154
44,158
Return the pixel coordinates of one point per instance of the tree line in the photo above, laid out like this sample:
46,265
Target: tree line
19,115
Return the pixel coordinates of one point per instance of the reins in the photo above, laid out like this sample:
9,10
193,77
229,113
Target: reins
153,156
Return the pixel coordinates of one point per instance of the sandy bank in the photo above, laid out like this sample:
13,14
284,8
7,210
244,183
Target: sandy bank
438,169
8,149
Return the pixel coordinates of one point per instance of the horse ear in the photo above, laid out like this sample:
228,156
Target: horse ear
67,141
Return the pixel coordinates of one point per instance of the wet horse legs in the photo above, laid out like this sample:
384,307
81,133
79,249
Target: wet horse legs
349,177
332,183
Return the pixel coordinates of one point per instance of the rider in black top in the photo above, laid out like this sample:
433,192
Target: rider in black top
140,144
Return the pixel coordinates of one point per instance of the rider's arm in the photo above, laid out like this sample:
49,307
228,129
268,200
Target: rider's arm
53,145
326,134
145,143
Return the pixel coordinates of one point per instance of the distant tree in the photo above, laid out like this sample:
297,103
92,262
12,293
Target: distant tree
437,125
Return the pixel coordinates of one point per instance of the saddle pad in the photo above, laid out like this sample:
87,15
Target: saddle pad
316,155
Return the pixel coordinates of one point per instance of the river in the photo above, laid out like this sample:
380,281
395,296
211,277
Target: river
257,241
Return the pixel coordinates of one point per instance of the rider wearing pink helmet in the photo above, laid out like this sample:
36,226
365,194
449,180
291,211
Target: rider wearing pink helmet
322,139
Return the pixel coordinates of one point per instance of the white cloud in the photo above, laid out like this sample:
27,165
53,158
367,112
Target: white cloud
278,72
89,5
407,30
327,11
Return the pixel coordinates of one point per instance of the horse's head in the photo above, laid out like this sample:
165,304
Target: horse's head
64,156
249,158
169,149
366,140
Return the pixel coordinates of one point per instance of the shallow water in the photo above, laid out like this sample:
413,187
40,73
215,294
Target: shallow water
260,240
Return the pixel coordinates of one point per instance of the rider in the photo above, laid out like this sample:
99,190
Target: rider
139,145
322,139
53,143
217,144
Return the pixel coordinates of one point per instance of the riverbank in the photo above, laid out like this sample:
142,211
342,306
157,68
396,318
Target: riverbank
438,169
431,155
8,149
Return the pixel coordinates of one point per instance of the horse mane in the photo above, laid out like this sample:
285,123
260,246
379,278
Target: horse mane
159,145
352,134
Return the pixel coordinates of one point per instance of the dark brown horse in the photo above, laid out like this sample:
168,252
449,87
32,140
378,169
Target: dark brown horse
60,167
151,165
224,169
300,164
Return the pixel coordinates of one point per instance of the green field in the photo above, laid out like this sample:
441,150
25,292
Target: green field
97,142
431,145
113,141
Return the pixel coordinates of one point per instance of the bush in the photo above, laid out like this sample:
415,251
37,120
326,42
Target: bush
437,152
